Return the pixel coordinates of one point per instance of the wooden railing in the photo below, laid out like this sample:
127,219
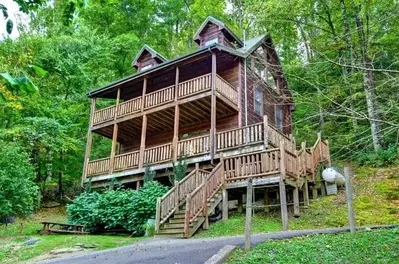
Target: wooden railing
291,164
127,161
159,97
194,146
158,154
252,165
237,137
129,107
214,181
104,115
226,89
194,86
274,137
166,206
99,166
188,184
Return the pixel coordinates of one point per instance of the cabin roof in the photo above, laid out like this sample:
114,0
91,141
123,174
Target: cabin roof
230,34
154,54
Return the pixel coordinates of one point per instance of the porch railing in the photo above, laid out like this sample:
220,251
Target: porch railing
163,96
194,86
99,166
104,115
237,137
129,107
127,161
226,89
158,154
194,146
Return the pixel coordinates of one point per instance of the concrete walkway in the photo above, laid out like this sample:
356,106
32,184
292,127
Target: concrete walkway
183,251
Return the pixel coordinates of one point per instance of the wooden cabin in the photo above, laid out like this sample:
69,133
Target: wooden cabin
225,107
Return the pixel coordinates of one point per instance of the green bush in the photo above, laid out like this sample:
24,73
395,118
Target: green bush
380,158
19,195
128,209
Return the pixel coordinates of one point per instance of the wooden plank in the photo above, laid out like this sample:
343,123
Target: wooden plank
213,109
295,194
142,144
283,205
113,147
348,187
248,216
176,132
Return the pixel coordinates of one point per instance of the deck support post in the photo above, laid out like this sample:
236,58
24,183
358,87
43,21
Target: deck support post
213,109
295,193
142,144
138,185
225,204
266,201
89,140
248,216
265,132
158,214
113,147
239,96
239,204
176,133
305,193
283,197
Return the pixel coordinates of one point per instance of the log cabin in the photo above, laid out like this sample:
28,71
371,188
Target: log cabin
226,108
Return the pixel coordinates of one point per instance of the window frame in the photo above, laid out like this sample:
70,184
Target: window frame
211,41
259,90
278,109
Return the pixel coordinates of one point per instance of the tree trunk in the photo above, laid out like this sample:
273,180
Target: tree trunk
369,85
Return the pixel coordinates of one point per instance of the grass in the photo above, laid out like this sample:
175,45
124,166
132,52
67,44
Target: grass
11,240
380,246
376,202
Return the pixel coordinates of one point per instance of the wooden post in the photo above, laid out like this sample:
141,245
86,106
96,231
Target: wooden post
118,96
240,206
142,144
225,204
176,132
205,210
177,196
265,132
89,141
283,204
177,84
305,193
213,110
314,192
282,159
266,201
113,147
295,194
144,92
138,185
351,213
239,95
158,215
248,216
187,217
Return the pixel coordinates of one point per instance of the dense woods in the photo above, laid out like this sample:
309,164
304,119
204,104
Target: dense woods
340,59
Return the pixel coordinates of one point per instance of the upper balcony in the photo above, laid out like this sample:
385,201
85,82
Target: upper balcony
186,91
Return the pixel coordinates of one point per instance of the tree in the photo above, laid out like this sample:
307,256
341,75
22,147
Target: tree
19,196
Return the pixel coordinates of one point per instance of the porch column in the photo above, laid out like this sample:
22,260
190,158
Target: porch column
143,95
306,193
239,96
176,132
114,134
296,201
142,144
177,83
213,109
89,140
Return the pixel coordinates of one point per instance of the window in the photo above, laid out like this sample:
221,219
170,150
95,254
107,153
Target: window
258,101
146,67
279,118
270,80
210,42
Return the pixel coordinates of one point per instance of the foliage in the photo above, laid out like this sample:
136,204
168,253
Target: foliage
19,195
179,169
379,246
149,174
128,209
381,158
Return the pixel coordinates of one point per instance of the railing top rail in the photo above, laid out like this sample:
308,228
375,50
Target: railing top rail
187,177
130,100
208,74
252,153
234,129
128,153
159,90
105,108
193,138
159,146
197,189
278,131
204,171
97,160
168,193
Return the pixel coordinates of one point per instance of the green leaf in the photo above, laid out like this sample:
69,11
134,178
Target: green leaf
9,79
38,70
9,26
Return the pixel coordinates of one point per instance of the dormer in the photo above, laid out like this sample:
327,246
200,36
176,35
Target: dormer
147,58
214,31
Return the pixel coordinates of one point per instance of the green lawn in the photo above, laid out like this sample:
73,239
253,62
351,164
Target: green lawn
12,249
376,197
380,246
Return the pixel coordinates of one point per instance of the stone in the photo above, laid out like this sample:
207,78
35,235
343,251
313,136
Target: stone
31,241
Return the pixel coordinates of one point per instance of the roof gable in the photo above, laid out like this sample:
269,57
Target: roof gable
144,51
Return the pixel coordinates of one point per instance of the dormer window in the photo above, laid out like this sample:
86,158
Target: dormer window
146,67
210,42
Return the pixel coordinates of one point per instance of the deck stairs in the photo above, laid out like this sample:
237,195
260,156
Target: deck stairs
187,205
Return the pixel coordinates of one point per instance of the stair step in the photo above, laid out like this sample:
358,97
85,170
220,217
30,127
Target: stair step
171,231
176,220
179,215
175,225
180,235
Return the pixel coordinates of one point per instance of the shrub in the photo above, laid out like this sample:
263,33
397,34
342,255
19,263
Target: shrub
179,169
128,209
19,195
380,158
149,174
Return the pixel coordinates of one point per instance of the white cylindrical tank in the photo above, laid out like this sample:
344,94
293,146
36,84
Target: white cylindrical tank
331,175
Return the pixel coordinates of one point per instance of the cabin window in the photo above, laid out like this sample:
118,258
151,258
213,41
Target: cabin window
146,67
270,80
258,101
279,118
210,42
